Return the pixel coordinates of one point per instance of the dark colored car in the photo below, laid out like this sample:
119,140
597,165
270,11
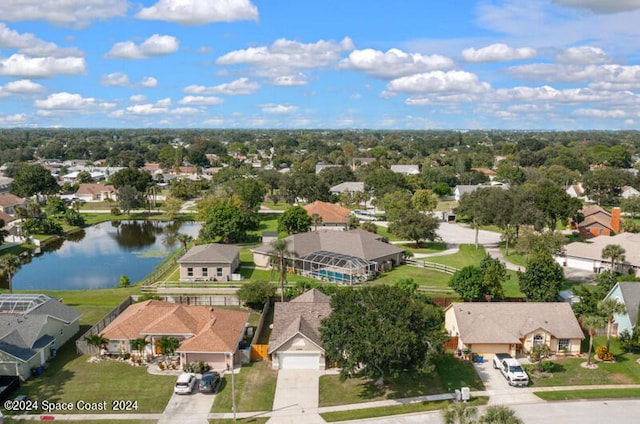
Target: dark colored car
210,383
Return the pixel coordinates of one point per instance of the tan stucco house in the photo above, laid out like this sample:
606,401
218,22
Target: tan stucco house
209,262
295,340
206,334
513,327
93,192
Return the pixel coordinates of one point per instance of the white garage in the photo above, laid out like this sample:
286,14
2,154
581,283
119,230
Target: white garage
299,361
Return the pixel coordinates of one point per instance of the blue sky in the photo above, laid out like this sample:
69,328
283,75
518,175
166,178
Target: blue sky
460,64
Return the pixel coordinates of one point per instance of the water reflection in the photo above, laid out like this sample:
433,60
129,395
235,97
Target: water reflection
97,256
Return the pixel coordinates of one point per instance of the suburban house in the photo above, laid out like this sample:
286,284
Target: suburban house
9,202
92,192
513,327
32,328
340,256
348,187
209,262
406,169
333,216
588,256
206,334
629,192
629,295
5,183
575,190
322,166
461,190
295,340
598,221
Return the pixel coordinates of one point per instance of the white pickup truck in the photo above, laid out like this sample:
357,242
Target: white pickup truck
511,369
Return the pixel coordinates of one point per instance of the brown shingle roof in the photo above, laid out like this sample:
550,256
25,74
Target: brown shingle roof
505,322
92,188
329,212
8,199
302,315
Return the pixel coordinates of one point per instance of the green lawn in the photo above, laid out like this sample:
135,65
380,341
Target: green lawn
589,394
255,387
429,247
451,374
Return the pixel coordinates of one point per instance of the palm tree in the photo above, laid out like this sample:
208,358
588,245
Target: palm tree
139,345
280,260
608,308
459,413
10,264
316,220
98,341
615,252
184,239
592,323
168,345
500,415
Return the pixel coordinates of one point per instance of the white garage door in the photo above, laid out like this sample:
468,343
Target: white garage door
299,361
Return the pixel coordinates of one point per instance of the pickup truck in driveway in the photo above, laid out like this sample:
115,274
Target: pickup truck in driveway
511,369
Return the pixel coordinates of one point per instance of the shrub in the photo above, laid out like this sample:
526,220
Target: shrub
604,354
548,366
115,211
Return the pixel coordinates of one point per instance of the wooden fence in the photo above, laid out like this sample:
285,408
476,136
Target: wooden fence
451,344
431,265
81,344
259,352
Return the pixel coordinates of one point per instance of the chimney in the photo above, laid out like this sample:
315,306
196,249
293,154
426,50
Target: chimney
615,219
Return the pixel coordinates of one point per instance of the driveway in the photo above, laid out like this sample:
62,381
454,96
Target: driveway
296,399
188,409
499,391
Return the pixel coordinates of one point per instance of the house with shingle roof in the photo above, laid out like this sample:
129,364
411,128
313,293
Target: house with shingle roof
406,169
9,202
588,255
488,328
333,216
295,341
32,328
598,221
209,262
206,334
349,187
627,293
339,256
93,192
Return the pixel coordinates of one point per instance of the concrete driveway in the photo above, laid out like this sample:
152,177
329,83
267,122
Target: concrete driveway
296,399
499,391
188,409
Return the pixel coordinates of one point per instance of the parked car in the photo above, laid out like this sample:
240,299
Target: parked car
210,383
186,383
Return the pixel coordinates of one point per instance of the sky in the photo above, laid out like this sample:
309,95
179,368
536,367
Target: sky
329,64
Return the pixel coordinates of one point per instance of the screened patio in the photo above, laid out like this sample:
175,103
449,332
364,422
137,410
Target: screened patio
340,268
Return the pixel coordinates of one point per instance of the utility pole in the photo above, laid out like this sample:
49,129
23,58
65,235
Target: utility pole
233,390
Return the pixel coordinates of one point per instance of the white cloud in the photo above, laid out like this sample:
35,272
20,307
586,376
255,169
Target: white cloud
393,63
63,103
16,120
115,79
205,50
600,6
149,82
289,54
603,77
146,109
583,55
237,87
156,45
138,98
31,45
290,80
201,100
277,109
438,82
186,111
77,13
20,87
200,12
498,53
19,65
599,113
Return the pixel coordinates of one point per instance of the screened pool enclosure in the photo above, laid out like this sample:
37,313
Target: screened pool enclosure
340,268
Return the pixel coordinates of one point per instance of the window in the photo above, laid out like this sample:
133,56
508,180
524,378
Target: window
538,339
219,272
189,272
563,344
205,272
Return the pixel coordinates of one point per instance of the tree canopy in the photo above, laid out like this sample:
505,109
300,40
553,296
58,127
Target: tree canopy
381,331
542,279
294,220
30,180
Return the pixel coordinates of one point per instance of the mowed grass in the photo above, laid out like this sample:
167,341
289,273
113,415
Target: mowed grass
451,374
255,387
569,372
588,394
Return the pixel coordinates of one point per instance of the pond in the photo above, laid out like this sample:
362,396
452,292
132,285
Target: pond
97,256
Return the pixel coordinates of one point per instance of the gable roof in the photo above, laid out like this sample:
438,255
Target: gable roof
348,186
631,298
303,315
506,322
8,199
593,248
330,213
406,169
94,188
593,210
21,328
211,253
206,329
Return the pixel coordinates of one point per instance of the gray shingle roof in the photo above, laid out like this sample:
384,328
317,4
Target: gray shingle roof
592,249
211,253
505,322
631,297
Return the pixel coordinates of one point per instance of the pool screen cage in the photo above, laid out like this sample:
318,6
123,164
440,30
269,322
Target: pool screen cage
330,266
